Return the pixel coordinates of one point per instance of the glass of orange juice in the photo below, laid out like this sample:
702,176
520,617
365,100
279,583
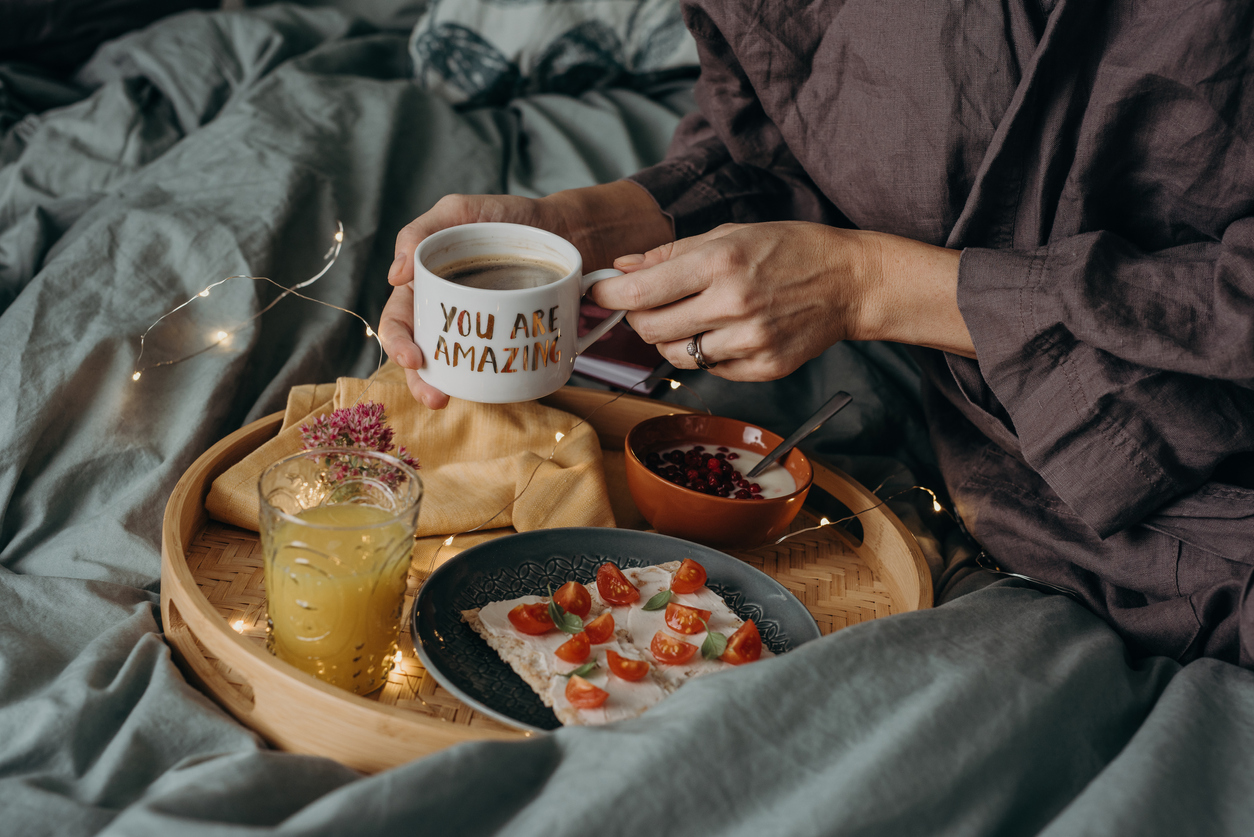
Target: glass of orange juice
337,533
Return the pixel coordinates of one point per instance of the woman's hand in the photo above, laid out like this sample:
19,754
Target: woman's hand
601,221
768,297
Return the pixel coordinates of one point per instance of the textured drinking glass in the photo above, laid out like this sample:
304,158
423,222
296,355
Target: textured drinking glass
337,533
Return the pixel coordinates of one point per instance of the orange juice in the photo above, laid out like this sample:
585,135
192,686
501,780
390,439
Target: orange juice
335,585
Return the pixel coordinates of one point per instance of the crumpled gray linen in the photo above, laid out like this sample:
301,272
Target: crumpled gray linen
220,143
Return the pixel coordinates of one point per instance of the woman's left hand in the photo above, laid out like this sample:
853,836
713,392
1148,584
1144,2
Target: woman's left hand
767,297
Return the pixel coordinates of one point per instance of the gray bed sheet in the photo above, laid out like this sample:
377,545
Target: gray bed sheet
215,144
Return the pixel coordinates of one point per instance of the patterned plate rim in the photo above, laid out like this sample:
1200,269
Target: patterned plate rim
539,560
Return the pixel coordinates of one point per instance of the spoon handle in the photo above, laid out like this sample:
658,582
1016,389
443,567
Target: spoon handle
837,403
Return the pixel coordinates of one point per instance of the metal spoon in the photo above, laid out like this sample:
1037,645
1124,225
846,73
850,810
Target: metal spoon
837,403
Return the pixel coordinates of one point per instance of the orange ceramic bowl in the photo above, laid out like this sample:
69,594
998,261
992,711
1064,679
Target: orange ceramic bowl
715,521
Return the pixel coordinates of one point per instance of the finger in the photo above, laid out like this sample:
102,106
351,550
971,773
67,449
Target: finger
401,271
677,351
410,236
751,368
666,274
660,284
632,262
396,328
704,311
424,393
448,211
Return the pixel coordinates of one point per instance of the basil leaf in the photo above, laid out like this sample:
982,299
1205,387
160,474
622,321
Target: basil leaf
659,601
714,646
715,643
569,623
583,671
566,622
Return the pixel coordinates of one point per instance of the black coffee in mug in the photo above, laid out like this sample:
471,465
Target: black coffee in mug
501,273
496,311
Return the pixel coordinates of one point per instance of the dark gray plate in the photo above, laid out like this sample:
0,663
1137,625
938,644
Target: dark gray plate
529,564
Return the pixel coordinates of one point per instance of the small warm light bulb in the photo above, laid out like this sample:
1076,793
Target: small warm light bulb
369,331
238,625
448,541
222,335
936,506
339,235
559,436
674,384
134,376
398,657
205,292
825,522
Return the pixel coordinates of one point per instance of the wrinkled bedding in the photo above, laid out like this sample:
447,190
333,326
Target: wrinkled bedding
213,144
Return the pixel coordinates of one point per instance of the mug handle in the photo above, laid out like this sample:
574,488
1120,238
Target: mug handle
609,322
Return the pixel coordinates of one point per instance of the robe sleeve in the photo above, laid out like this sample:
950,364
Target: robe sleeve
743,172
1128,375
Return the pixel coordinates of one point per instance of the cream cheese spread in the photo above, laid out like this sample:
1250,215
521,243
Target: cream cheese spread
535,656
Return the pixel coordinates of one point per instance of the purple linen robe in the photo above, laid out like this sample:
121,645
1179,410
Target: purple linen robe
1095,163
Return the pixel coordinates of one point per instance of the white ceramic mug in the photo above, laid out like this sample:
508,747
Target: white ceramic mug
500,346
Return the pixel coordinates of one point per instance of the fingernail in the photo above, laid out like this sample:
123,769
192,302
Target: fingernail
629,261
396,265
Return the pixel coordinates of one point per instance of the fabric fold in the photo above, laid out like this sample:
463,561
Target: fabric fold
484,466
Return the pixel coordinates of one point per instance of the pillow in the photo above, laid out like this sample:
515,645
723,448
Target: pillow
485,52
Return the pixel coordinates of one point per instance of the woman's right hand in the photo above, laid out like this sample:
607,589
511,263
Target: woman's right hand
601,221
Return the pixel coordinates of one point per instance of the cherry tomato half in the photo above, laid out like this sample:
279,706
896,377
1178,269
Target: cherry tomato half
686,620
745,645
575,649
614,586
574,598
532,619
688,578
583,695
625,667
600,629
670,650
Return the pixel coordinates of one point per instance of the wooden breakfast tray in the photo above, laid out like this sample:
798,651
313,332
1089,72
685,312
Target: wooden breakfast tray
213,603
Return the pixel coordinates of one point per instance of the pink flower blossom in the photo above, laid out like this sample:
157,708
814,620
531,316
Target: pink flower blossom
360,426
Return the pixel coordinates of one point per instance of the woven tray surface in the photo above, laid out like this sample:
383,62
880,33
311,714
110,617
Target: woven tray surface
837,587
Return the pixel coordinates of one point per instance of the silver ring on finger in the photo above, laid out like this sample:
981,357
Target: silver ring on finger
694,351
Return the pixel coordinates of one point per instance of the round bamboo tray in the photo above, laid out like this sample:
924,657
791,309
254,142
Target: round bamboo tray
213,603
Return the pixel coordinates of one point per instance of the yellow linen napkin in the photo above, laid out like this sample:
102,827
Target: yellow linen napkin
476,459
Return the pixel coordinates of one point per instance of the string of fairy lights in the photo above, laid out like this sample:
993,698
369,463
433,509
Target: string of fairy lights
329,259
223,336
